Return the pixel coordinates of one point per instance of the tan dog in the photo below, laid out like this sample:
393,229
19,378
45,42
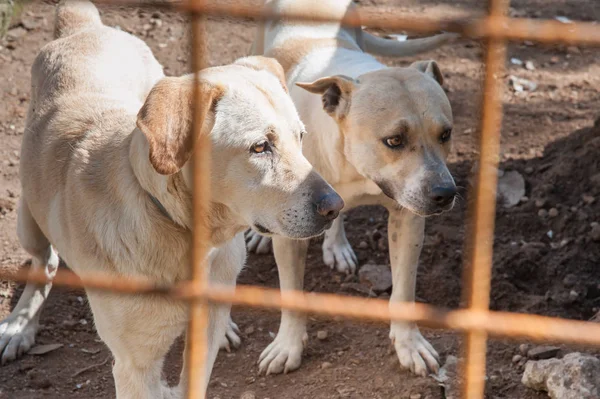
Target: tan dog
380,136
115,198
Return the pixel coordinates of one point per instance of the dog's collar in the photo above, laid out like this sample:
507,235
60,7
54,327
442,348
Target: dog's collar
160,207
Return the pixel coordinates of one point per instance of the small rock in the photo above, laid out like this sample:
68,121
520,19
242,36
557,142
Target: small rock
562,19
529,66
576,376
573,50
156,22
540,202
523,349
573,295
529,170
322,335
31,23
416,396
588,199
542,213
16,33
248,395
570,280
516,61
363,245
542,352
69,323
326,365
377,277
511,188
517,358
553,212
249,330
520,84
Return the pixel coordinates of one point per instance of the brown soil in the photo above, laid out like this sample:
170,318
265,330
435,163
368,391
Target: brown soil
547,136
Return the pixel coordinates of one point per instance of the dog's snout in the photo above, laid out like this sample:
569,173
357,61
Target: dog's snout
443,195
330,205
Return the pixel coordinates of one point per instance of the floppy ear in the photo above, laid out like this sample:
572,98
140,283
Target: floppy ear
430,68
261,63
166,120
336,92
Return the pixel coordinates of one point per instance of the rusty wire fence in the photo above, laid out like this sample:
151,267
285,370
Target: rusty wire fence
476,321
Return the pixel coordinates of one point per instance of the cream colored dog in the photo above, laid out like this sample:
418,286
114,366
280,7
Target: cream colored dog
114,198
380,136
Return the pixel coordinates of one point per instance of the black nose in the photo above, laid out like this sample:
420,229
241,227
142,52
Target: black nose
330,205
442,195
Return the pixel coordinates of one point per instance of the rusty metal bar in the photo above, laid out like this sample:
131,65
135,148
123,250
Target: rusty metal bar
197,336
505,324
512,29
478,273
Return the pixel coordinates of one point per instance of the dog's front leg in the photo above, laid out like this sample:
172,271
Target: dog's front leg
284,354
225,264
405,235
337,251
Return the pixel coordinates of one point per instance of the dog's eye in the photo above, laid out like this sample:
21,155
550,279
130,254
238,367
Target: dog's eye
261,147
396,141
445,136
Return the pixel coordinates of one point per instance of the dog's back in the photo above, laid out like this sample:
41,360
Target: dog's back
89,58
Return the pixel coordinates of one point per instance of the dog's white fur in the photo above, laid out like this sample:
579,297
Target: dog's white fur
114,198
362,103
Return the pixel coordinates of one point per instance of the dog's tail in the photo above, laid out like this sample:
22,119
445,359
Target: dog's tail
73,16
393,48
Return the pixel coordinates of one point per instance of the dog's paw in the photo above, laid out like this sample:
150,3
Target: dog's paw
17,336
231,337
339,254
257,243
413,350
284,354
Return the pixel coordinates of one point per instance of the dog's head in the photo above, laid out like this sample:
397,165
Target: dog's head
258,171
397,127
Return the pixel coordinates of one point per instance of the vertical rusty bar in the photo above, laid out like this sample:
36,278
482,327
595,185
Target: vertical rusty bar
478,277
197,329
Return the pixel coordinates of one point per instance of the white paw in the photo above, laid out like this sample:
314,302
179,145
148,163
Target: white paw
339,255
17,336
284,354
414,352
231,337
257,243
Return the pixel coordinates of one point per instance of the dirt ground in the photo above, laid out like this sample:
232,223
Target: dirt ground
546,262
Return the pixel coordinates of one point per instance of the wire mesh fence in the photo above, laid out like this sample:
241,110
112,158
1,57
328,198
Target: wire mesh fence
476,320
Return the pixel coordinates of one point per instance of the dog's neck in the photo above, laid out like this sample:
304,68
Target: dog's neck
172,196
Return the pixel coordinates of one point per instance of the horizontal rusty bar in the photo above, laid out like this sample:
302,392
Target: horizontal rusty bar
496,27
505,324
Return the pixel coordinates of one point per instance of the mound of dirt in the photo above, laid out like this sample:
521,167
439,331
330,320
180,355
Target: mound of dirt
546,249
550,248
